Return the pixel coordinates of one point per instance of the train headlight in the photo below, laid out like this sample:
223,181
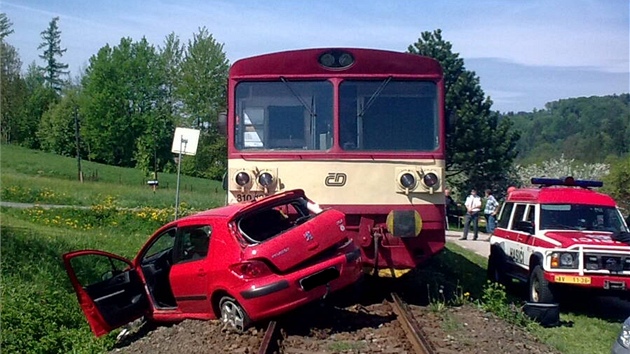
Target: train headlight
336,60
327,60
407,180
430,179
242,178
345,59
265,179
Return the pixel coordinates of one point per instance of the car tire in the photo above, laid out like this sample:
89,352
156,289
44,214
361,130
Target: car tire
538,286
496,265
233,315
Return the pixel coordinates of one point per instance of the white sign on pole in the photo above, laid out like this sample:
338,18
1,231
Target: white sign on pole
185,141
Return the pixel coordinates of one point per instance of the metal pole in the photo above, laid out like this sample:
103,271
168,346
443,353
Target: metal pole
76,135
179,168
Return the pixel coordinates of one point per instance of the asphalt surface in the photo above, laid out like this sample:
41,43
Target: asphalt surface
481,246
30,205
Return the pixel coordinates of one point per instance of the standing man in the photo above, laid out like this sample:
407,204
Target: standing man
490,212
449,205
473,207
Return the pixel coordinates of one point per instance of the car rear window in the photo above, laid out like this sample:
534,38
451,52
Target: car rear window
266,223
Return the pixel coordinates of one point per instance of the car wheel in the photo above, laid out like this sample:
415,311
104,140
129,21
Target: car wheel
233,314
495,269
539,290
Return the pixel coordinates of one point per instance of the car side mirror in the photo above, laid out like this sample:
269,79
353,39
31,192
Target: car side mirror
225,182
525,226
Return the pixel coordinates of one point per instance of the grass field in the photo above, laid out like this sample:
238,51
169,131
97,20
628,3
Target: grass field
35,176
39,309
591,324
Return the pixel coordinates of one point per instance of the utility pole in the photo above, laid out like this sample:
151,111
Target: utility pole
76,135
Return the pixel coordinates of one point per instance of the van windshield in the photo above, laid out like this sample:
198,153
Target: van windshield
581,217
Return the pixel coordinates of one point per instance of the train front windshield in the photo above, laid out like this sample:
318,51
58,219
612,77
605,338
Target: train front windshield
388,115
294,115
376,115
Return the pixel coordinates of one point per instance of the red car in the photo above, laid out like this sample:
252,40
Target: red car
241,263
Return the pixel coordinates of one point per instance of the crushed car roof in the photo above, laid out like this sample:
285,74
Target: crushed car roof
230,211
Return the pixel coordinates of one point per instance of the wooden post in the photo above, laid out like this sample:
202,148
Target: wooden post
76,135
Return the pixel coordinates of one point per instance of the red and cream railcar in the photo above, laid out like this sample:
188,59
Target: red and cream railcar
359,130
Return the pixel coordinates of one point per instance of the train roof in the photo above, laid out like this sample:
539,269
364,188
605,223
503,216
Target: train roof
366,61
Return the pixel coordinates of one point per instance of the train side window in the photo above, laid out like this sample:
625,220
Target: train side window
504,217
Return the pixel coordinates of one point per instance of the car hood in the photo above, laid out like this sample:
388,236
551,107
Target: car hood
303,243
586,238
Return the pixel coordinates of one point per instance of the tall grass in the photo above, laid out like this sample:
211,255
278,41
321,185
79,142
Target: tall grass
40,313
35,176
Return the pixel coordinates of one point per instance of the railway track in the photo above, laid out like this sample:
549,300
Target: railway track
416,336
271,343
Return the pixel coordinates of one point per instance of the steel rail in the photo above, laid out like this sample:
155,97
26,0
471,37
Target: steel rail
268,345
416,336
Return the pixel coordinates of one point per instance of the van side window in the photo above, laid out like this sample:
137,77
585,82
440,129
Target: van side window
504,217
519,212
531,214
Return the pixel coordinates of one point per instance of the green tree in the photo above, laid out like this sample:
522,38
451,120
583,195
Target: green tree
123,107
480,144
171,55
617,182
57,129
5,26
12,86
39,99
588,129
53,70
202,91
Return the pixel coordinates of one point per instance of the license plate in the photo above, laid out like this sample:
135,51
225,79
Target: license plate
320,278
572,279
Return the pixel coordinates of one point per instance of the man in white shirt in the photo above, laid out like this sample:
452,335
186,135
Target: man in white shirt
473,207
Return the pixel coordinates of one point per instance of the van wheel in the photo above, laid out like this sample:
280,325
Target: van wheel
496,267
539,290
233,314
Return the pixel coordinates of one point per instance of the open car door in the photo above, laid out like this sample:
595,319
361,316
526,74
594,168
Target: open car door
110,291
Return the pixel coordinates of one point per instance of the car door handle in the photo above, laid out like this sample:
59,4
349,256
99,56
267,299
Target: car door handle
201,273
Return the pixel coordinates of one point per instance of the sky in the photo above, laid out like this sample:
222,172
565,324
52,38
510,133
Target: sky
526,52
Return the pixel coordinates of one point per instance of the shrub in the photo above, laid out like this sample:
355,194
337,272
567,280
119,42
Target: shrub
494,299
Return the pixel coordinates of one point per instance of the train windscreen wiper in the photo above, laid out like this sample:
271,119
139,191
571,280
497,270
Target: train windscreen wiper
376,93
299,98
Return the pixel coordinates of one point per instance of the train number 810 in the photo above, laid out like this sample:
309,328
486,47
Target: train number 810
248,197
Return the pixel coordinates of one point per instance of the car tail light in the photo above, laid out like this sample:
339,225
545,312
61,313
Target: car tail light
250,269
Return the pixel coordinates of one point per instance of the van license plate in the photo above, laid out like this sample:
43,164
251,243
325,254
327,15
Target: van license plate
572,279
